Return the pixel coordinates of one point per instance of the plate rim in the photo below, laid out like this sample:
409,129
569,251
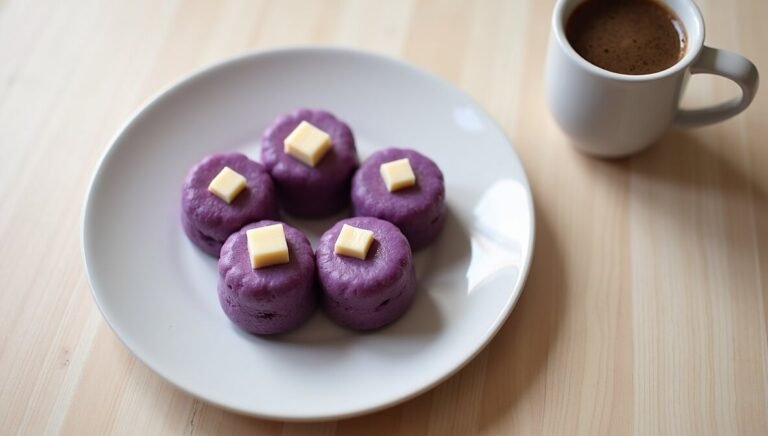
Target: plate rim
229,61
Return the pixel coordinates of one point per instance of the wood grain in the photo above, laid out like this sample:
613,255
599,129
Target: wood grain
645,311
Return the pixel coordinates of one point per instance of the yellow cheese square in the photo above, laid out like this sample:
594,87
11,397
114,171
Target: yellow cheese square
227,184
397,174
267,246
307,143
353,242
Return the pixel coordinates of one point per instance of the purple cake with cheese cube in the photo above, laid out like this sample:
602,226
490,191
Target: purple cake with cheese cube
208,219
369,293
418,210
311,191
272,299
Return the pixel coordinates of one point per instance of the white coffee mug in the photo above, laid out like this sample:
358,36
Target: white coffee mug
609,114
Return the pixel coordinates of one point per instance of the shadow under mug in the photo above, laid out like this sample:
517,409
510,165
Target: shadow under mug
610,115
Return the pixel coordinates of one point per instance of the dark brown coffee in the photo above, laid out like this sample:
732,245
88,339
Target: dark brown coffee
626,36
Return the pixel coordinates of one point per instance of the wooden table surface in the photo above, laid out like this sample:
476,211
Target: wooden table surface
645,309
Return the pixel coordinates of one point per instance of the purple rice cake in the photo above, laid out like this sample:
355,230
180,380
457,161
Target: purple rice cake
272,299
373,292
207,219
418,210
311,191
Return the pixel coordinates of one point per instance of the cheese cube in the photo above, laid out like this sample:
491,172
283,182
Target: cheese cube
397,174
227,184
267,246
353,242
307,143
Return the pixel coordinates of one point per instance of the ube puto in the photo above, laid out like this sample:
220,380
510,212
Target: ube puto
311,156
267,278
221,194
366,273
404,187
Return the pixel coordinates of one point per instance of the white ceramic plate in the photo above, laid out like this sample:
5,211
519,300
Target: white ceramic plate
158,293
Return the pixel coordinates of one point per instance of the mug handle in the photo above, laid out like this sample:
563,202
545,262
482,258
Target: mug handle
731,66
